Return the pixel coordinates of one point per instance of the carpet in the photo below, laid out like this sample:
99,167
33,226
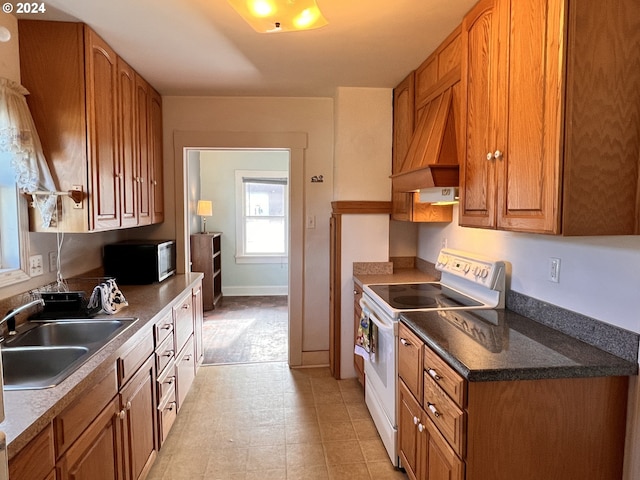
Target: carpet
246,330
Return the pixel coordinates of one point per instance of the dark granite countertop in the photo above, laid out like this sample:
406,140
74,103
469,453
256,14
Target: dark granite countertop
501,345
27,412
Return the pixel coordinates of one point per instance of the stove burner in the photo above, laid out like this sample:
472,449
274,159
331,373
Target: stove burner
419,301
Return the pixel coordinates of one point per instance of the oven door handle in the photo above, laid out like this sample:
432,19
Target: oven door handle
380,323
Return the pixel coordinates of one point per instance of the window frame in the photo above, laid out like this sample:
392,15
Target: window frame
13,274
241,256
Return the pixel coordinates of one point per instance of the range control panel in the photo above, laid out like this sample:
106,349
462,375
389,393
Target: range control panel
475,268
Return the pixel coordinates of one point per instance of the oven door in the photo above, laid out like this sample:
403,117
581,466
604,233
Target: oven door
381,379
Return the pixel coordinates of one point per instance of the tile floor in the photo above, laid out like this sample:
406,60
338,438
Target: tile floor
266,421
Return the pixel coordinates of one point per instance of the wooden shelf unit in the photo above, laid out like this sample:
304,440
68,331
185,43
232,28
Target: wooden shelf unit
206,258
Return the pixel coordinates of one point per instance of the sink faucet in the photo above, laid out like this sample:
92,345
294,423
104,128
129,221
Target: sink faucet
10,317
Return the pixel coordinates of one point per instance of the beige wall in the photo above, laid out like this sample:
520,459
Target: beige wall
312,116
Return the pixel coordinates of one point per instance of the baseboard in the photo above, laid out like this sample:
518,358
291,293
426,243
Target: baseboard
252,291
319,358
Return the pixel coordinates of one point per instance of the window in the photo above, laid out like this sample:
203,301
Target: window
262,206
12,245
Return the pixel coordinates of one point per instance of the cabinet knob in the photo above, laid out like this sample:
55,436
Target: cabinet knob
122,415
420,428
128,406
489,156
168,353
497,155
415,420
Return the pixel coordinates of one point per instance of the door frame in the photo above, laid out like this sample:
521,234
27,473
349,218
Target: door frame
296,143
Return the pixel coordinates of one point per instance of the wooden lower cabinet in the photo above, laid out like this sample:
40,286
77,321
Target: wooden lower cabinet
185,371
36,461
96,455
138,402
424,453
564,428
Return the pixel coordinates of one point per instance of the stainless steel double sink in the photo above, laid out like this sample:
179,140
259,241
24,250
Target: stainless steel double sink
46,353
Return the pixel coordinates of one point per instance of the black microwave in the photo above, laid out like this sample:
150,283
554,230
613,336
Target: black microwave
140,262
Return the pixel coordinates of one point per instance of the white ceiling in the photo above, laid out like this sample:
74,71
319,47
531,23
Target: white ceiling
203,47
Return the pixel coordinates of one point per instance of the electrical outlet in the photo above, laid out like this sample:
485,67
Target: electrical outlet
53,261
554,270
35,265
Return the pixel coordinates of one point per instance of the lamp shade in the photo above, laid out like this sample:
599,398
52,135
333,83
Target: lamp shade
269,16
204,208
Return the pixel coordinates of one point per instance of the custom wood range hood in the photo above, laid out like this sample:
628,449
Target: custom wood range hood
432,157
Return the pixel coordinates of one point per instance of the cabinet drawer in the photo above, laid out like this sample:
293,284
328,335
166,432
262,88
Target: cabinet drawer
183,320
166,382
437,370
69,424
444,414
129,363
163,328
167,412
165,353
410,360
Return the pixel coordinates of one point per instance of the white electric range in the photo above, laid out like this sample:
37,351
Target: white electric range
468,282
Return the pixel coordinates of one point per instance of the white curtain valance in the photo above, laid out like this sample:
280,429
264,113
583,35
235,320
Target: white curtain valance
19,138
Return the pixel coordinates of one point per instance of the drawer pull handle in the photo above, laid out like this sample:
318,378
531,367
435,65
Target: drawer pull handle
168,353
166,326
434,374
171,406
185,306
433,409
404,342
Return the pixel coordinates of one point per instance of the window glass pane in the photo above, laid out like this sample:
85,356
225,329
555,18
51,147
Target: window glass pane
264,199
265,235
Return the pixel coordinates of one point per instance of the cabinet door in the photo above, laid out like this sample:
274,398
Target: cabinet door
529,173
442,462
480,66
143,176
156,165
97,454
409,413
137,400
185,371
127,145
403,125
198,320
102,126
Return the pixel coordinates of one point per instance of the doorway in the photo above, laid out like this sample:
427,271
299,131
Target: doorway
249,193
295,143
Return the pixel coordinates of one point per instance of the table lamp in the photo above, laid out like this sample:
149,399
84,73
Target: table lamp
204,209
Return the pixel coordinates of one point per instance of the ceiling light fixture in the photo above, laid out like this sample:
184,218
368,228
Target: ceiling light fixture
271,16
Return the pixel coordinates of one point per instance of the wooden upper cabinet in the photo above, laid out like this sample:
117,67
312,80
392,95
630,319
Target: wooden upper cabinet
128,144
84,101
550,148
426,132
101,77
403,120
156,165
143,177
477,174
